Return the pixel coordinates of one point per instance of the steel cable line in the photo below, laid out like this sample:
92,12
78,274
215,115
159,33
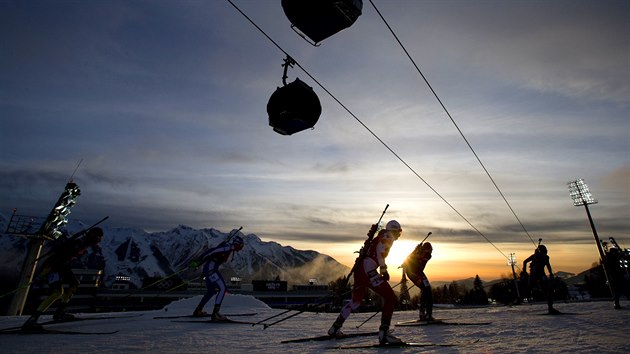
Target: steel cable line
452,120
369,130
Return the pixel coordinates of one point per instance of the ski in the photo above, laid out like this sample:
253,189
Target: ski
439,323
419,322
327,337
50,331
75,319
227,320
204,316
402,345
563,313
79,319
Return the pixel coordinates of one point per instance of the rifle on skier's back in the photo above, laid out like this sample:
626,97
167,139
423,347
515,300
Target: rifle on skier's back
70,238
366,246
197,262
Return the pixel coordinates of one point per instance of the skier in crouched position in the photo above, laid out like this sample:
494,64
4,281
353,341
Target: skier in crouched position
215,284
56,271
366,276
414,268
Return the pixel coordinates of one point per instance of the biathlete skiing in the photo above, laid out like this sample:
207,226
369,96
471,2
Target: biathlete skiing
367,275
212,259
57,272
537,277
413,267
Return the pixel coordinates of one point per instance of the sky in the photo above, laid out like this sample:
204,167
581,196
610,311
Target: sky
591,327
157,110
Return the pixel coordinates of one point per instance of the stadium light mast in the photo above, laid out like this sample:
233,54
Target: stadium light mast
582,196
512,263
50,229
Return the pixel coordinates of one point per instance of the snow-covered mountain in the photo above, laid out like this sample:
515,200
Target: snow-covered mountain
140,254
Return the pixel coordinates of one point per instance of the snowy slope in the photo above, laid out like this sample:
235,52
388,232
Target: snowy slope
593,328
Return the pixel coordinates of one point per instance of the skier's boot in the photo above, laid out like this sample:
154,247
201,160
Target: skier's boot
199,312
335,329
31,324
553,311
216,316
61,315
385,336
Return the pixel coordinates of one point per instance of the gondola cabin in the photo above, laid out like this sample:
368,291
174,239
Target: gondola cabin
293,107
320,19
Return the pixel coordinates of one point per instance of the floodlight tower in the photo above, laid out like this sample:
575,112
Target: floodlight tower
512,263
582,196
50,229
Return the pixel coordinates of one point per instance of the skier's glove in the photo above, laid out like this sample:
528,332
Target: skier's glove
194,264
385,275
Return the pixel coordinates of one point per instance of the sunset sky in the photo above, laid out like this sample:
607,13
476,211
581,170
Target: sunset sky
162,107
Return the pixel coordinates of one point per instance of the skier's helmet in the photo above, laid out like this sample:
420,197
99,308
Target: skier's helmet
426,247
393,227
542,249
238,243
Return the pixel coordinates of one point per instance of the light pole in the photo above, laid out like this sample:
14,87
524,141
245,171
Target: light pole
512,263
582,196
49,230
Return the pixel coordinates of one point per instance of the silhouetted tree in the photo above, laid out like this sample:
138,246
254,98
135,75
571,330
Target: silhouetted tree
503,292
340,290
478,295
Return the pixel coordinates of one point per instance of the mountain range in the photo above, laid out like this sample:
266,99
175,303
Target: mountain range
138,254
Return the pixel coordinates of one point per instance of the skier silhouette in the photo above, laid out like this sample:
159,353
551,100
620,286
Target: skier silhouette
537,277
366,276
56,271
215,284
414,268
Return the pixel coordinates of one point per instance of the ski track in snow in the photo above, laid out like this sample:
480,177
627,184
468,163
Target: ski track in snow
596,328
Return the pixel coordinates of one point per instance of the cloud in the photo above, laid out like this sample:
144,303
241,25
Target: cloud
618,180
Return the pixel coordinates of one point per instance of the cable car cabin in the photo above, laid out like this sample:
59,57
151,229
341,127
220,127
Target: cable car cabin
293,108
320,19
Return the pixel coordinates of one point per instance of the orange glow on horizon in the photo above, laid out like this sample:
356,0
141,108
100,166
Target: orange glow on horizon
461,261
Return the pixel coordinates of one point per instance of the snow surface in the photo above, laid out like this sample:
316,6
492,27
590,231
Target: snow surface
595,327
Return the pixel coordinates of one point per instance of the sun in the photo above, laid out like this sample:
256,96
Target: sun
398,253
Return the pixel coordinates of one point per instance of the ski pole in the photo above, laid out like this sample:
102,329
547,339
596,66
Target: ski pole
265,326
274,316
177,286
317,302
15,290
150,285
